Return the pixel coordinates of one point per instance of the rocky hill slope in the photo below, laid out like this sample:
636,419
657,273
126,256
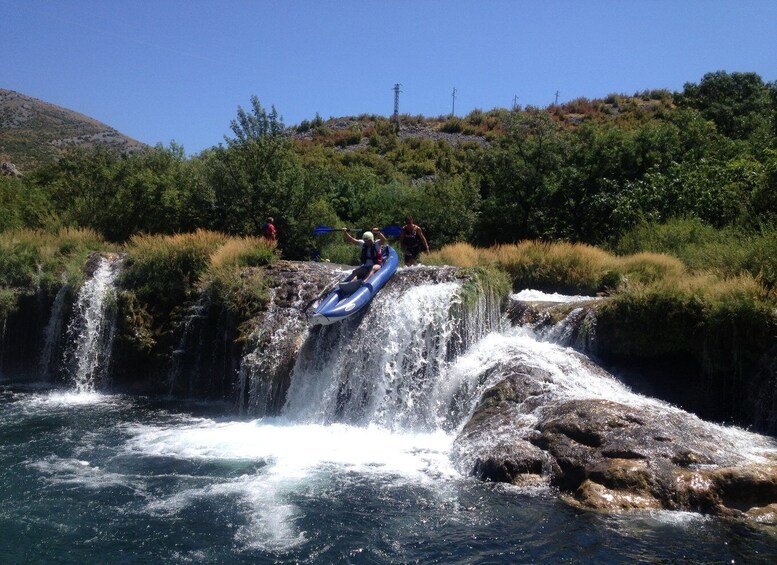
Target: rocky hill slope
33,132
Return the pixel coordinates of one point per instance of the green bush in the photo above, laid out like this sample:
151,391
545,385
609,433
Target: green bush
729,252
31,260
242,293
452,125
8,298
164,271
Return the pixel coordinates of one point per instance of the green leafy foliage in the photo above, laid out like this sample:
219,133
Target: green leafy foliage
585,171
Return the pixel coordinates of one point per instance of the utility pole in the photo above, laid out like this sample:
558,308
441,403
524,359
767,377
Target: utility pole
453,105
515,103
556,102
397,90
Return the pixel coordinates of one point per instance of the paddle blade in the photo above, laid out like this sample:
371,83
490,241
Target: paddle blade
318,230
393,231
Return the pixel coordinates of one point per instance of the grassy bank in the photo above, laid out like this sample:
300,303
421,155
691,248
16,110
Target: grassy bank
164,274
726,252
34,261
563,267
161,274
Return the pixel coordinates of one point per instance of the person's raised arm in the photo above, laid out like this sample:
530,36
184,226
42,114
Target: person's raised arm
380,237
349,238
423,238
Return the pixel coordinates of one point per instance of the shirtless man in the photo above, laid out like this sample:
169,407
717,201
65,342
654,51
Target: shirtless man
411,239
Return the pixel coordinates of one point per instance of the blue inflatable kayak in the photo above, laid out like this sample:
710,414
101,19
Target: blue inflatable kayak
349,298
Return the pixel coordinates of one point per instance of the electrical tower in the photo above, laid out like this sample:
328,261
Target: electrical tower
515,103
556,102
453,105
396,105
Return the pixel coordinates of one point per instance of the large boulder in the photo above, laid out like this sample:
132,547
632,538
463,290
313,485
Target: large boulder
603,454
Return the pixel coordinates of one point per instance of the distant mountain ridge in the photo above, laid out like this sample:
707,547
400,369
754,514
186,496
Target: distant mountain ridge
34,132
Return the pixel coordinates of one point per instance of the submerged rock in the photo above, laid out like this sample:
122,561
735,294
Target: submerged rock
609,455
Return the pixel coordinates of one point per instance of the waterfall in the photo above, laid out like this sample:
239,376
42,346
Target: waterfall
270,351
2,344
549,375
187,357
388,366
53,334
92,327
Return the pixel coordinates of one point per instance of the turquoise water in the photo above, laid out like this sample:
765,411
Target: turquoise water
91,478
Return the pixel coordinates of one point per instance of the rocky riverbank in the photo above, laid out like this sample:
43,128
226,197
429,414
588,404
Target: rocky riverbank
608,455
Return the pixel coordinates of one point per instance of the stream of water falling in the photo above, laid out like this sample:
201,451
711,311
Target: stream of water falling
357,469
92,328
53,334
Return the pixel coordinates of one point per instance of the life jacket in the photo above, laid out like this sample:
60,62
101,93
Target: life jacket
371,252
270,231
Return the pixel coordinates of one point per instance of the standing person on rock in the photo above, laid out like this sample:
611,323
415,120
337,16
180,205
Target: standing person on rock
412,240
269,231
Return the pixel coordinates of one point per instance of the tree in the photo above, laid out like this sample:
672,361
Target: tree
255,125
738,103
519,175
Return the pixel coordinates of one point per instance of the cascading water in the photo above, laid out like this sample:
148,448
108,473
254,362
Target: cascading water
387,367
53,334
186,359
362,465
271,349
91,330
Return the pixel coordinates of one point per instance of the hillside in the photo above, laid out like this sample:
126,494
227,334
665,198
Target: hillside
33,132
353,133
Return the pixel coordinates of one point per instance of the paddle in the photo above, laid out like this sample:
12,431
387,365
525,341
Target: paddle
394,231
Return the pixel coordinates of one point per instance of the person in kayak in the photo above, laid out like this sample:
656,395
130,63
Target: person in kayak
411,239
371,254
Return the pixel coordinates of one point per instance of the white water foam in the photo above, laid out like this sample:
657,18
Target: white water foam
292,457
70,398
383,371
69,471
529,295
93,327
572,377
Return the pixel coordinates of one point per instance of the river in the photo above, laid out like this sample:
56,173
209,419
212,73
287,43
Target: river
94,478
358,467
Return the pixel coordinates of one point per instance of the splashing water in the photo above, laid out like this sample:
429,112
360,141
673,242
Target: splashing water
92,328
386,367
358,467
272,345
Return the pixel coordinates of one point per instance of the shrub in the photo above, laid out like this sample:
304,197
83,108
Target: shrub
8,298
34,259
452,125
650,267
243,293
729,252
244,252
163,271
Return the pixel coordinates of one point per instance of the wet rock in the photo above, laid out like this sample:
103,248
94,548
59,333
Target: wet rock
608,455
764,515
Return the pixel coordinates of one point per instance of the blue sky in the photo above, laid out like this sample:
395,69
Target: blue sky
174,70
